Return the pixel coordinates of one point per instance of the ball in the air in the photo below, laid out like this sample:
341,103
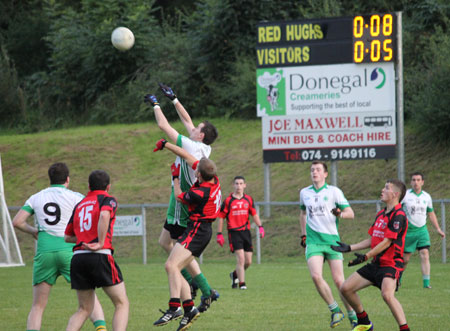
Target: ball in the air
122,38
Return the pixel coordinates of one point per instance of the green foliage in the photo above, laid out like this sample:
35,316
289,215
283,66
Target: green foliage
204,49
12,104
428,100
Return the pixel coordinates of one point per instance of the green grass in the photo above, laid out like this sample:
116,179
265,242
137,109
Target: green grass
280,296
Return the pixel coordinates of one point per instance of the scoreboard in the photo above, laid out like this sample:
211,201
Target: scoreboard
326,88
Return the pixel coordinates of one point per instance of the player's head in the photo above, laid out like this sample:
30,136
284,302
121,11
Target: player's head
319,172
417,180
98,180
239,184
209,133
394,191
58,173
206,169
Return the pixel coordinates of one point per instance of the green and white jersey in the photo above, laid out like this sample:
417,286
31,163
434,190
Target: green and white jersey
416,207
52,208
178,212
321,224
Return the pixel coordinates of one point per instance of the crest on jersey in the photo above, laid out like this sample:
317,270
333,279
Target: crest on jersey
396,225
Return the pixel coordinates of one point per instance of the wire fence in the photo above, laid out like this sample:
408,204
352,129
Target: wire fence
281,222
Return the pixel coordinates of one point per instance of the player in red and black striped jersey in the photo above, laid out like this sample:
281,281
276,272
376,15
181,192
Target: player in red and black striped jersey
203,200
236,209
387,243
92,266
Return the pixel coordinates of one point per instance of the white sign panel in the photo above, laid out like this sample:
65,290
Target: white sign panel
128,226
326,89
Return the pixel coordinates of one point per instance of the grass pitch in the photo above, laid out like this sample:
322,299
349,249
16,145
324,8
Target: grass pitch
280,296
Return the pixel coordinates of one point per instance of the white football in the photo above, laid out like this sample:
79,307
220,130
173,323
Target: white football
122,38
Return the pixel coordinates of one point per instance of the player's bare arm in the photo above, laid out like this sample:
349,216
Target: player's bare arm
70,239
103,224
181,153
434,221
20,222
163,124
303,222
182,113
347,213
379,248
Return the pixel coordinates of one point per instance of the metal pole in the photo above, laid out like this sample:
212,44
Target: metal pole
399,99
144,236
258,241
333,169
444,240
267,189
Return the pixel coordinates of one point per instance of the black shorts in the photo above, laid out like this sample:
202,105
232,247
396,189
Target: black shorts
240,240
375,274
91,270
175,230
196,237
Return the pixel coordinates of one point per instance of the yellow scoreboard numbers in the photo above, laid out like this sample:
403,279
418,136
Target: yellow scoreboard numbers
374,38
358,39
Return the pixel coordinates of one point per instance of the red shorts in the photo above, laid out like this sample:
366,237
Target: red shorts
240,240
91,270
196,237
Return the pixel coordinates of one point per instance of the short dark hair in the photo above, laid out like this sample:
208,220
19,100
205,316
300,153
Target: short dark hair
400,186
239,177
417,173
98,180
58,173
210,133
325,168
207,169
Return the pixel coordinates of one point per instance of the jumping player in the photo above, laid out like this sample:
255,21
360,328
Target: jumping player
417,205
198,144
52,208
91,228
203,200
236,209
320,207
386,242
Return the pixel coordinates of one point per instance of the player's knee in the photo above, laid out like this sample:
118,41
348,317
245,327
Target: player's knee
170,267
344,288
387,296
247,264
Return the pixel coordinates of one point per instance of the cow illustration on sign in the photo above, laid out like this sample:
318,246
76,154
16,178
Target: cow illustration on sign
269,82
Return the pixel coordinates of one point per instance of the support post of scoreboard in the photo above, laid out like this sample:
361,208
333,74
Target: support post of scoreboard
399,103
267,190
334,173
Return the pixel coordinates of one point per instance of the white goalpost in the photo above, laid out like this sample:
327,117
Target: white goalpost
10,255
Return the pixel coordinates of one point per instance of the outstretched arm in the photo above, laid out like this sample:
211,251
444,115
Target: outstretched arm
184,116
163,124
20,222
161,144
182,113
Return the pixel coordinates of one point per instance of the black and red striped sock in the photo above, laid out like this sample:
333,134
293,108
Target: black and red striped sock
174,303
188,305
363,318
404,327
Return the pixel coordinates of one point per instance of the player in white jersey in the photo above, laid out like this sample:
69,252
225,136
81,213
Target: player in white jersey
198,145
321,206
417,205
52,208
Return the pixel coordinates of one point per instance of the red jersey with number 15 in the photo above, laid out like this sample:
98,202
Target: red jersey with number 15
84,221
237,212
393,225
203,200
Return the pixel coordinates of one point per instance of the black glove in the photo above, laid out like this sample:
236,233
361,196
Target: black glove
360,258
151,99
343,248
336,212
168,92
303,241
